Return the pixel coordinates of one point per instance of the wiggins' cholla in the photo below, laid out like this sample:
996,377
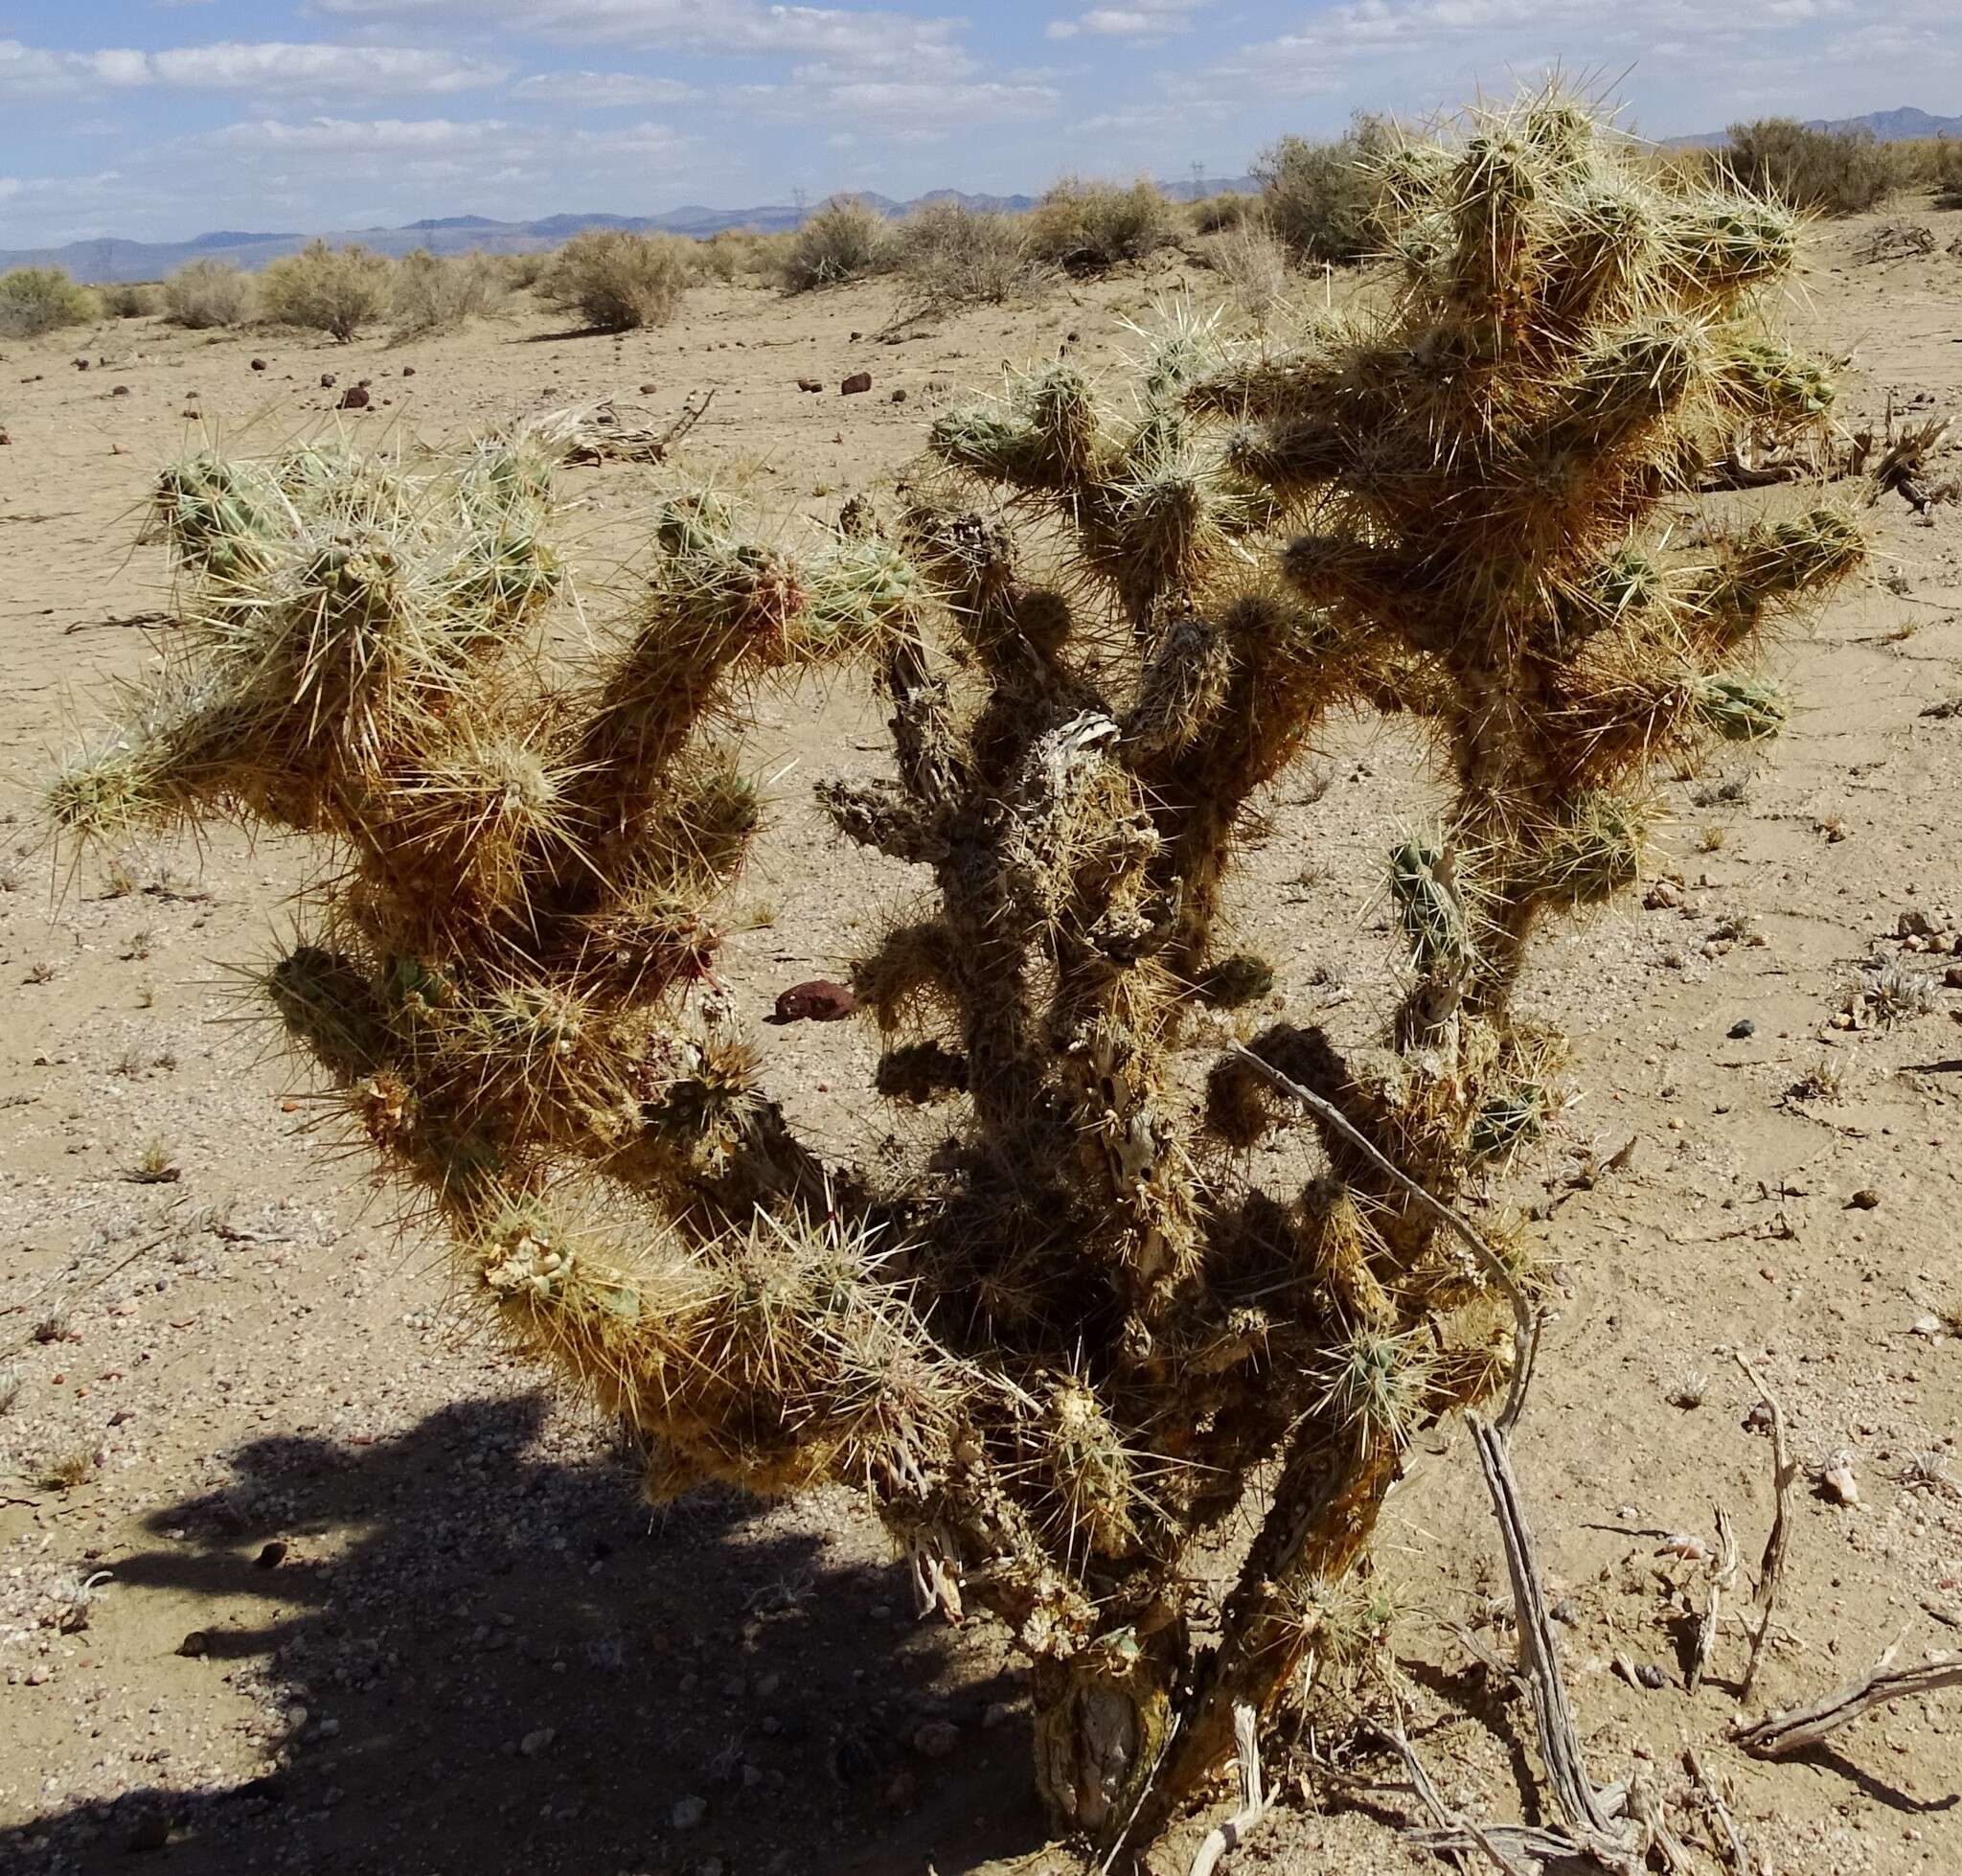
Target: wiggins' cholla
1056,1361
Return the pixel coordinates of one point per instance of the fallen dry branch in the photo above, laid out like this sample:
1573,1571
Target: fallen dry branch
1799,1728
1589,1812
1898,240
1772,1570
1513,1852
1723,1567
1255,1802
1724,1829
602,433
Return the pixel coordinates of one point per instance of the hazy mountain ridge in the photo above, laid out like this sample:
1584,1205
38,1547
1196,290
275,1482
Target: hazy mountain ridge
111,259
1894,127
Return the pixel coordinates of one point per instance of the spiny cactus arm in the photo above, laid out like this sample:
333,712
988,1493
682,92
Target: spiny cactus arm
1223,705
1045,438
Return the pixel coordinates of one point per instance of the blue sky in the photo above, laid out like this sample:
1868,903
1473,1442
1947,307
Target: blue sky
160,119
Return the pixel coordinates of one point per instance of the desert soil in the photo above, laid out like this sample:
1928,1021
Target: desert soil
297,1572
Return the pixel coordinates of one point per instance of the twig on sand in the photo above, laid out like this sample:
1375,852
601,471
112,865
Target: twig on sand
1724,1570
1590,1813
1255,1802
1454,1830
1772,1572
1799,1728
1729,1839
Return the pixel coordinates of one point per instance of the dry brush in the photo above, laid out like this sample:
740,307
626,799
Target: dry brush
1058,1358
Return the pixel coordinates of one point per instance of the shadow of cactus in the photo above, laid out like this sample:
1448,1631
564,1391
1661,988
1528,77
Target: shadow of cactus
1056,1357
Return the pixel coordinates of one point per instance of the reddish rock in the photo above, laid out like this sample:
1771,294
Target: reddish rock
259,364
856,382
356,398
408,370
810,384
820,1000
328,380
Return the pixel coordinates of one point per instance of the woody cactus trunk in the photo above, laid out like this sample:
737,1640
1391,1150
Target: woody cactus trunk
1058,1358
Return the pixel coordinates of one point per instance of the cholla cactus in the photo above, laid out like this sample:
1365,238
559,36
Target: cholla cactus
1056,1360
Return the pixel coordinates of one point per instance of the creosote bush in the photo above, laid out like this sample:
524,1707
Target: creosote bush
1228,209
1090,227
1830,172
431,295
37,300
202,294
949,256
616,281
326,290
1057,1349
130,300
1321,199
846,239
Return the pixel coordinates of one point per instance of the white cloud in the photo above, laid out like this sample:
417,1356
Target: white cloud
909,108
368,136
602,90
1150,21
716,27
269,69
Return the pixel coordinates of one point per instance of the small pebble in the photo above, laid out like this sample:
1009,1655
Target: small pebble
1743,1027
1650,1675
689,1811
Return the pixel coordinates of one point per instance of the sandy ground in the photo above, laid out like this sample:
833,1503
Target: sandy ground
330,1587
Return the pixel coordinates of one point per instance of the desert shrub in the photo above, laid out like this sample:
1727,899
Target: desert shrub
523,271
1229,208
1089,227
36,300
617,280
1254,267
846,239
950,255
1945,174
429,294
326,290
202,294
1827,172
1321,199
131,300
1084,1326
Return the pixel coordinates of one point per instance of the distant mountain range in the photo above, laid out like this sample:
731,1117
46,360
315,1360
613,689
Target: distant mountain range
110,260
1888,127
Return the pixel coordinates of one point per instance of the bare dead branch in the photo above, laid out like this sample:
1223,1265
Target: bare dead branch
1723,1568
1724,1826
1581,1803
1254,1802
1772,1572
1799,1728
